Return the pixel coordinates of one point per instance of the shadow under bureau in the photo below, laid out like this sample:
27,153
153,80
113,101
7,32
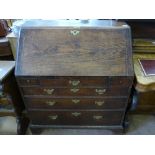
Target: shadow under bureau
75,74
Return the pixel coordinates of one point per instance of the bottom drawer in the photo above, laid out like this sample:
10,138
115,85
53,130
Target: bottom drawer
76,117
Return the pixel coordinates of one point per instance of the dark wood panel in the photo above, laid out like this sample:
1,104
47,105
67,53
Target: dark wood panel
28,81
76,103
64,81
76,117
142,29
120,81
5,49
75,81
61,51
115,91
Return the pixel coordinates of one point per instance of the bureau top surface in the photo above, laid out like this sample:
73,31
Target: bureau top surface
71,48
5,68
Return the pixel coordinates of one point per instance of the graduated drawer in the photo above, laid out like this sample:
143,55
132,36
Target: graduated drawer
115,91
76,117
76,103
75,81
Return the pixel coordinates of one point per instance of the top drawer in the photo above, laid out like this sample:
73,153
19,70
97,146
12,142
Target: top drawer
65,81
75,81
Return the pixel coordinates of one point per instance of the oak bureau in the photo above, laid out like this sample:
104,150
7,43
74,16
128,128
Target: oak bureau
75,73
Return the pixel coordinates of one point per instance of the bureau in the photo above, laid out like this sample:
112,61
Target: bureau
75,73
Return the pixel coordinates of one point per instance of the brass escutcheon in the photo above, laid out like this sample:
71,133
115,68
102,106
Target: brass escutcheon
74,82
74,32
97,117
99,103
100,91
53,117
49,91
51,103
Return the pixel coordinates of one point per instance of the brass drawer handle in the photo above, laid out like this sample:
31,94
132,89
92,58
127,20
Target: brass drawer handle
74,32
49,91
97,117
100,91
74,90
74,82
99,103
75,101
53,117
76,114
51,103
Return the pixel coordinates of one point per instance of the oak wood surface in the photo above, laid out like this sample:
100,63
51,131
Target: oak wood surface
75,103
94,51
84,117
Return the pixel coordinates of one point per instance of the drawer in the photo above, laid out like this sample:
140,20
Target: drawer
65,81
75,81
116,91
76,103
76,117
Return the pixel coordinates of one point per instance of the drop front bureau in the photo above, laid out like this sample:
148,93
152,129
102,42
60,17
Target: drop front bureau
75,73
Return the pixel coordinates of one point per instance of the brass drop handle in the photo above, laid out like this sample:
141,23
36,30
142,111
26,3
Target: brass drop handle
74,82
97,117
49,91
74,90
51,103
100,91
75,101
53,117
74,32
99,103
76,114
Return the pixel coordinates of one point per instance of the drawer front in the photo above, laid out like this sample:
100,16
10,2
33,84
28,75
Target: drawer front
65,81
76,117
76,81
76,103
115,91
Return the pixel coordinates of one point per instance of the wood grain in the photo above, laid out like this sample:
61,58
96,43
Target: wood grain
85,117
93,52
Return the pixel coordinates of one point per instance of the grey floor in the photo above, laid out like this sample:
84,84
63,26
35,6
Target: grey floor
139,125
